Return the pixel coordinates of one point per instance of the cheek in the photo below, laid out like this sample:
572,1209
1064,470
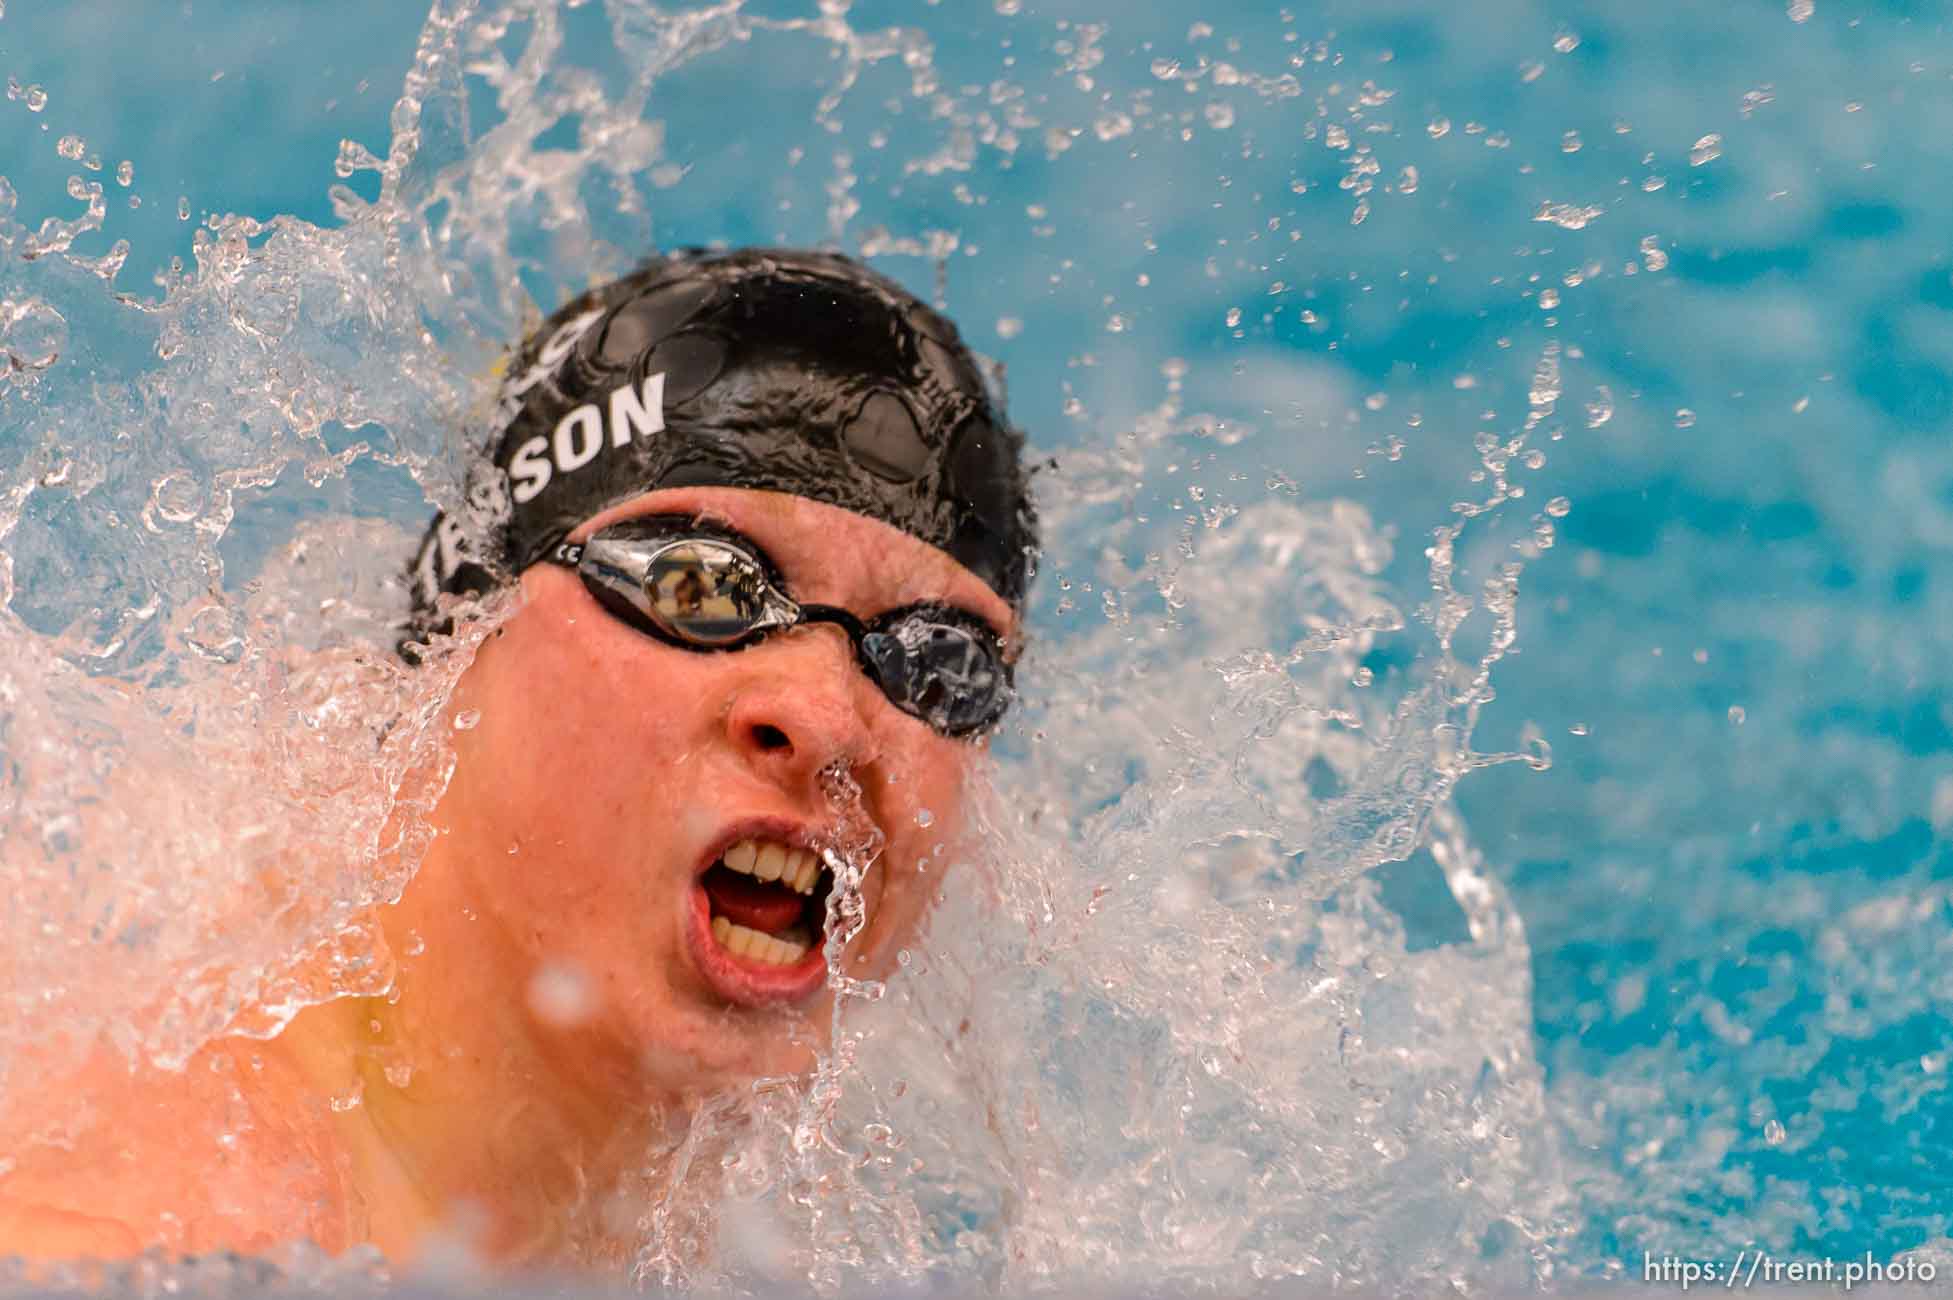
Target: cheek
937,777
924,808
563,780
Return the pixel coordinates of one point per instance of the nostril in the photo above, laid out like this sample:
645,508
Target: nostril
771,737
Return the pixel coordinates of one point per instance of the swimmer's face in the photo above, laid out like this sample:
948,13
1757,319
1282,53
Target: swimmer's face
610,777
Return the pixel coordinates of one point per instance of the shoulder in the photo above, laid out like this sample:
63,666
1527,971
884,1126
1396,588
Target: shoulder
46,1232
113,1162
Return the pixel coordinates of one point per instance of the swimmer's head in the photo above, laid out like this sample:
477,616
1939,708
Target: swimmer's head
771,369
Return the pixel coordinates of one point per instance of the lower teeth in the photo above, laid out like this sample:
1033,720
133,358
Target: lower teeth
754,945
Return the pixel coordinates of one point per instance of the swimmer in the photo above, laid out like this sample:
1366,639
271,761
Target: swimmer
767,526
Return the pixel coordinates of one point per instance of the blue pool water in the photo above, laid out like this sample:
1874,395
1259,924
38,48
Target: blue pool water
1698,256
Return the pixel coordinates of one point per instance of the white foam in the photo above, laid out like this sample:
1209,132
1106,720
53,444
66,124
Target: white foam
1161,1030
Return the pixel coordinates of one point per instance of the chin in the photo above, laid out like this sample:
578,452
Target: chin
689,1049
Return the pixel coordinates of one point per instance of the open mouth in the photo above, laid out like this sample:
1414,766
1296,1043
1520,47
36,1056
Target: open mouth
769,901
759,916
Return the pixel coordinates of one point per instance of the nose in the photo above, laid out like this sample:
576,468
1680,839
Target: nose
798,709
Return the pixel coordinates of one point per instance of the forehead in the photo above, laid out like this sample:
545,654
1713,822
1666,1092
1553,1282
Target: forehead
826,554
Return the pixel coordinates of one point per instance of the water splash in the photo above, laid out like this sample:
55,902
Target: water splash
1162,1025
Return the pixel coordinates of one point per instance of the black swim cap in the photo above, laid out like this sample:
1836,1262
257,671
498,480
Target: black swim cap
777,369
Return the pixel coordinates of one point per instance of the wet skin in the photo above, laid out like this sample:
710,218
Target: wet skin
549,1014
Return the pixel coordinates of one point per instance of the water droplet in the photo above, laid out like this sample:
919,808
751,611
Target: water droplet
175,498
1363,677
1407,180
1578,729
1684,418
1233,317
560,995
1009,327
36,99
182,208
1801,405
1773,1133
1530,70
1166,69
1800,10
1601,408
1219,115
1558,507
1570,142
1112,126
1438,128
400,1074
1568,216
1737,715
125,173
1335,136
1549,299
71,147
1705,150
467,720
1566,42
1545,388
923,817
1651,255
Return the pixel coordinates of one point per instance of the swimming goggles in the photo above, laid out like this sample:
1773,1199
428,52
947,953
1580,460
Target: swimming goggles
702,588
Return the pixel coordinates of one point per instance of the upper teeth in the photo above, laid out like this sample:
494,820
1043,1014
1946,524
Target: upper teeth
797,869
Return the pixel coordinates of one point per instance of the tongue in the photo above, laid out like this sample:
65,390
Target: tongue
756,904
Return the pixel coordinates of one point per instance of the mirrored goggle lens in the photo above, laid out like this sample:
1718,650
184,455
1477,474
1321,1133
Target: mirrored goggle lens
943,674
705,592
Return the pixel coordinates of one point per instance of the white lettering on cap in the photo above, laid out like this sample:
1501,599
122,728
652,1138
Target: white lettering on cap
450,534
579,436
427,582
530,469
547,360
564,339
631,415
440,558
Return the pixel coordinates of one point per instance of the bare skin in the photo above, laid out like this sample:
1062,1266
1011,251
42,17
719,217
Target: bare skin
548,1015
